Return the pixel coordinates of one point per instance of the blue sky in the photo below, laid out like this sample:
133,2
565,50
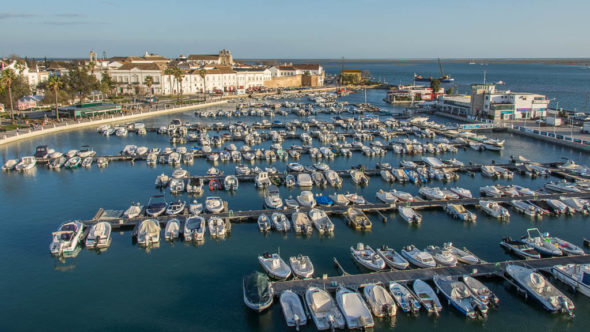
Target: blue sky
298,28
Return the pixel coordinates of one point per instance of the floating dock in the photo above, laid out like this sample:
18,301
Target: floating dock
356,281
115,217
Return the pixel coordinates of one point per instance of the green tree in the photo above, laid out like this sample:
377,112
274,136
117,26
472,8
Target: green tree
149,81
450,91
81,83
106,85
435,85
6,80
55,84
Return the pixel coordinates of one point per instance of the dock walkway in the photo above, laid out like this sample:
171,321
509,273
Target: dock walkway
115,217
356,281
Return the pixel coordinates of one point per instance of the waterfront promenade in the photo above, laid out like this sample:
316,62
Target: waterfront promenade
17,135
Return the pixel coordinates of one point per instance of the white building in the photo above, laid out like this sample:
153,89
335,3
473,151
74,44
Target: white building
506,105
130,77
33,76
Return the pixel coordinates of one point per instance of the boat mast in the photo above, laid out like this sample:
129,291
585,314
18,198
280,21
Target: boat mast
442,72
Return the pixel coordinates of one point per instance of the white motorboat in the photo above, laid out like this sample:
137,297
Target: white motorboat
409,215
408,164
323,309
519,248
217,227
558,207
356,199
272,198
491,191
295,167
264,224
180,173
172,229
301,266
402,195
214,172
280,223
541,243
306,199
262,180
494,209
392,258
214,204
386,197
427,296
562,187
177,186
230,183
417,257
194,229
59,162
460,212
461,192
551,298
459,295
292,309
357,219
524,207
386,175
133,211
441,256
99,235
358,177
404,298
576,276
432,193
174,158
148,233
321,221
354,309
26,163
65,240
462,255
480,290
577,204
367,257
379,300
333,178
274,266
195,208
257,292
301,223
10,164
339,199
162,180
175,208
304,180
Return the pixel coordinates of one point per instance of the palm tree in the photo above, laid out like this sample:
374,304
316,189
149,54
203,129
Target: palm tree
179,75
170,71
8,76
55,83
149,81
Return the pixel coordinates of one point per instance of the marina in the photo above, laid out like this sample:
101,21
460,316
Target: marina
223,252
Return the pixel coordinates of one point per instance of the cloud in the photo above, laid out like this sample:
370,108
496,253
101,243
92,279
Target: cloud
4,16
61,23
69,15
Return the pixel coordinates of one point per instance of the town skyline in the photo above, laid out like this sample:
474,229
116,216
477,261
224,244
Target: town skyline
369,29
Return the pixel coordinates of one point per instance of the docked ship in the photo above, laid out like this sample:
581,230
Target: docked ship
444,78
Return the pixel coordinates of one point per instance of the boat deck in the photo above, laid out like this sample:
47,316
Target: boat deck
356,281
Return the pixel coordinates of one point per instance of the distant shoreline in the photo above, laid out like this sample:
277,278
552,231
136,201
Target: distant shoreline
545,61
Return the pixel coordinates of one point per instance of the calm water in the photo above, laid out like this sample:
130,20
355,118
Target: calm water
184,287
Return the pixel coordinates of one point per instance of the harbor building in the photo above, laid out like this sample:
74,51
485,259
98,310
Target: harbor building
506,105
412,93
454,104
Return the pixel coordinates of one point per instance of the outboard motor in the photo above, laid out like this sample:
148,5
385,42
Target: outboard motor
565,306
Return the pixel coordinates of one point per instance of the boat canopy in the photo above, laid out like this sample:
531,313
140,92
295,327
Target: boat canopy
257,287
